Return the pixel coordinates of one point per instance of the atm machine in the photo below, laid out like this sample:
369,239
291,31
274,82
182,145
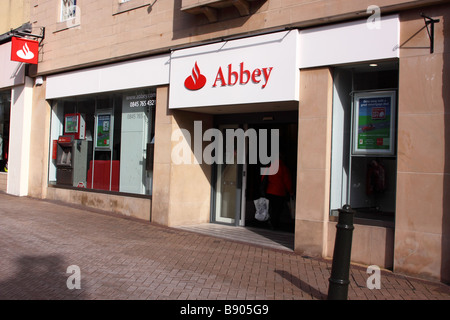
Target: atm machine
72,152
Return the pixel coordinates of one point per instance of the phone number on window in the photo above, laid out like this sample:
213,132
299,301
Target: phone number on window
142,103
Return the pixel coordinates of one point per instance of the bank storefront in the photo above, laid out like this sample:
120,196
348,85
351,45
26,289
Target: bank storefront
185,138
330,118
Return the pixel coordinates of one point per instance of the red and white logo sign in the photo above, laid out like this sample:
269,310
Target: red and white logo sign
196,81
258,69
378,113
24,50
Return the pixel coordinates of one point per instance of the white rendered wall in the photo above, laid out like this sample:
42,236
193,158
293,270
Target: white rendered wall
19,138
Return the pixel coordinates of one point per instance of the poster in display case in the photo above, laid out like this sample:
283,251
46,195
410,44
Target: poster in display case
374,123
103,131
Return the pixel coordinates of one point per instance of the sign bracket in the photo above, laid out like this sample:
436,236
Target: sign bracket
21,34
430,22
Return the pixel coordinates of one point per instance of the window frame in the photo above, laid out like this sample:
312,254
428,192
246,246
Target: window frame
64,23
115,98
67,5
344,161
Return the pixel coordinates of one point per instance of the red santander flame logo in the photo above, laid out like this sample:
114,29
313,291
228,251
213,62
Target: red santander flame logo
196,81
24,50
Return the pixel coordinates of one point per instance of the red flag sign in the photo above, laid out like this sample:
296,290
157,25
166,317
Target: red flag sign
24,50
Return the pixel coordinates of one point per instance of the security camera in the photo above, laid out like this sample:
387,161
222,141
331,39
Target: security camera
39,81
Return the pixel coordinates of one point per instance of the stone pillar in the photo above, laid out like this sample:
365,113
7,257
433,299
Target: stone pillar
314,153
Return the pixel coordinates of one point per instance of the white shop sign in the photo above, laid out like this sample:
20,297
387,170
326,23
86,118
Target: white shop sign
350,42
250,70
132,74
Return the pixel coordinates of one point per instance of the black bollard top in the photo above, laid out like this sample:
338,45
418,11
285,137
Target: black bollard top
345,220
346,209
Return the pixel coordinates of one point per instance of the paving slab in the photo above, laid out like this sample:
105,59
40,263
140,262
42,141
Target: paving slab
56,251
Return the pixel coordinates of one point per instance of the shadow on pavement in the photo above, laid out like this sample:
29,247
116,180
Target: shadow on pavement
302,285
39,278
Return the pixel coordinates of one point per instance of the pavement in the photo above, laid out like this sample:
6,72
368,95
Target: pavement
55,251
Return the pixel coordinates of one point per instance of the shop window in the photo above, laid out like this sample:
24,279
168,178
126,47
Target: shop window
364,162
104,142
5,108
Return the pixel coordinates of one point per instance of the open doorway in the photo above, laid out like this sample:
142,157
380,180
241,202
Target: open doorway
237,185
288,133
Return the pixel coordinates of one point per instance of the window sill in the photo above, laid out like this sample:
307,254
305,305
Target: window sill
361,218
116,193
68,24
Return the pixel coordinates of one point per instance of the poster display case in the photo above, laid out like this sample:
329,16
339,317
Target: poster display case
103,129
374,123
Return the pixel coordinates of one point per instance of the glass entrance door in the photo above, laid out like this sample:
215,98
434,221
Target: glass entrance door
228,186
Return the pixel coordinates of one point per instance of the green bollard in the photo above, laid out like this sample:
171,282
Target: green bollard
340,269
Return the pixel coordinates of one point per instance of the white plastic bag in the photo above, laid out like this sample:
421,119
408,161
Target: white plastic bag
262,209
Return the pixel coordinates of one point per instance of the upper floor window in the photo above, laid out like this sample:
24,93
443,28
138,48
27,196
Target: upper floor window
68,9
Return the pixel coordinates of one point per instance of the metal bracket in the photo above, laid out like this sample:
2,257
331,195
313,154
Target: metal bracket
26,34
430,31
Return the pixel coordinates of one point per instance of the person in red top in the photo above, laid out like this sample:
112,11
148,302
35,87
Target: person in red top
279,185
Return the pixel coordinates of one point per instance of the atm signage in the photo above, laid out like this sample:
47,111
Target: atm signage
229,76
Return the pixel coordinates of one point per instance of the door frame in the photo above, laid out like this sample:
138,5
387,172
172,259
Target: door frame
239,217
